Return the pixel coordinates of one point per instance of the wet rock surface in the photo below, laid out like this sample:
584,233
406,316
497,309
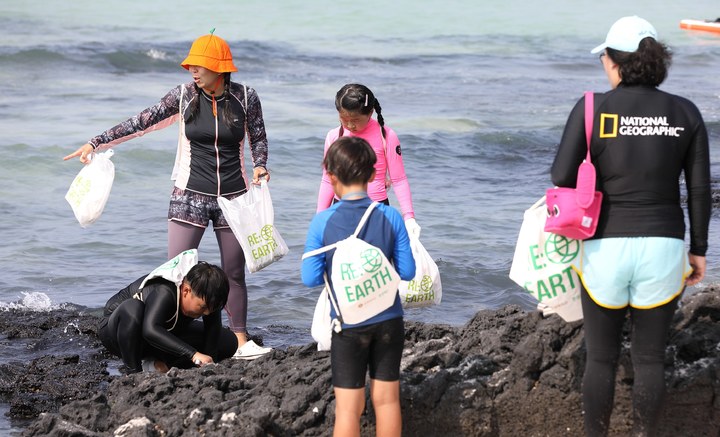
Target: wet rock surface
505,373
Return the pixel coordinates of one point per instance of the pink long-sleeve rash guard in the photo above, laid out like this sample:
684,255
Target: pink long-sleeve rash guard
389,160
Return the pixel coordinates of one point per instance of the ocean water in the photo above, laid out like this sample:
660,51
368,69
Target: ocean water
478,92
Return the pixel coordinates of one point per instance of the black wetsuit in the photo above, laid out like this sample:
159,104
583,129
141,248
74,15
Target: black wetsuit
135,329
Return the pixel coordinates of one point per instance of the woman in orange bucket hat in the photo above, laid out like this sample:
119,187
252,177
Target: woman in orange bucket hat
214,113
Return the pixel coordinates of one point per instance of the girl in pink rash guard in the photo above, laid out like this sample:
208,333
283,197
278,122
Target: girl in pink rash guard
355,104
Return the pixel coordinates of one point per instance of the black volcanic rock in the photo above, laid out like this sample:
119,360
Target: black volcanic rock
505,373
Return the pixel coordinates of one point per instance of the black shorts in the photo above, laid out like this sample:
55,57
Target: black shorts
377,348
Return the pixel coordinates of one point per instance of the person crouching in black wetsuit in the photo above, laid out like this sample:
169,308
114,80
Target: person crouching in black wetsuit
154,327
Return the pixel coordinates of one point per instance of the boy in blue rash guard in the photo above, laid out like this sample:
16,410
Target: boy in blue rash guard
377,343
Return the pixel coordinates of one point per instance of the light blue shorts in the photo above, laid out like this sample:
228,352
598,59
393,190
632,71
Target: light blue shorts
643,272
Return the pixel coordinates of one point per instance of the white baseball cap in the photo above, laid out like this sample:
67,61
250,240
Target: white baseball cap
626,33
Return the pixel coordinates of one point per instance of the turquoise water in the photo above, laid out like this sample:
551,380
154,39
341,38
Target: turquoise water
478,92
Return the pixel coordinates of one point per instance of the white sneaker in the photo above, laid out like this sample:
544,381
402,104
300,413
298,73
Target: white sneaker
149,365
250,351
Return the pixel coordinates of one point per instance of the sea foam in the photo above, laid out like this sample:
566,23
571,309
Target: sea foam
32,300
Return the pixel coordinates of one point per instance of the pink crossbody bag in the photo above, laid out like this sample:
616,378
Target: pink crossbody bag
574,212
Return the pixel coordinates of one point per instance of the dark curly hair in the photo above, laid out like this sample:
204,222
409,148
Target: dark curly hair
648,65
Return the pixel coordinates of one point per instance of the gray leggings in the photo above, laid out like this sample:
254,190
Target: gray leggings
184,236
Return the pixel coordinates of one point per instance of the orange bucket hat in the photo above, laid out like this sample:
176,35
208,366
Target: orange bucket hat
211,52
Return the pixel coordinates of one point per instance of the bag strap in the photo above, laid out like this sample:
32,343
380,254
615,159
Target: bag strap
245,139
337,327
589,112
585,186
539,204
359,227
245,108
364,218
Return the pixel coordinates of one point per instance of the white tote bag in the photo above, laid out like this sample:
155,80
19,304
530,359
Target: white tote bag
90,189
251,218
323,325
543,262
174,269
425,288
